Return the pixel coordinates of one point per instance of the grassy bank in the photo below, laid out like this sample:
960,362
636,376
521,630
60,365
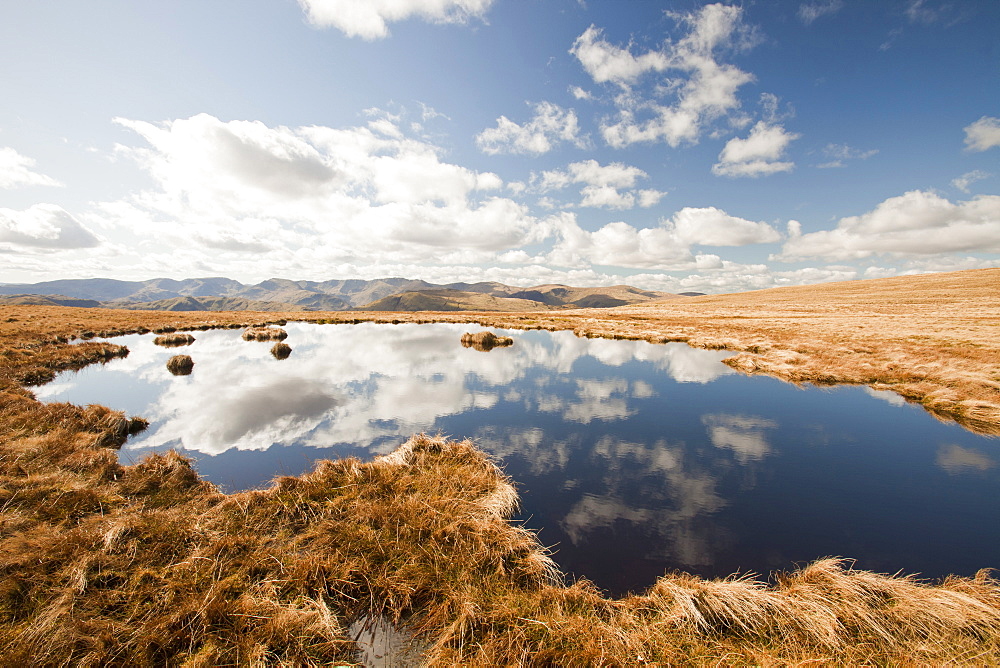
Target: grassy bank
103,564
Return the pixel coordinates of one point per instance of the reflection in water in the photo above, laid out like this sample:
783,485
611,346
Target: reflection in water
631,458
956,459
744,435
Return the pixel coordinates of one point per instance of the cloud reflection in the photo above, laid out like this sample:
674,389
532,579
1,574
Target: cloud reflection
954,459
361,384
743,434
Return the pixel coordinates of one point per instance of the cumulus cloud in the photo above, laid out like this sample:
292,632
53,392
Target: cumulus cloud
913,224
351,192
44,226
667,247
983,134
368,19
703,87
551,125
759,154
603,185
965,180
605,62
810,11
15,171
710,226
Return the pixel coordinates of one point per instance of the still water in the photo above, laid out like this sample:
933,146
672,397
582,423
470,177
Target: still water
631,458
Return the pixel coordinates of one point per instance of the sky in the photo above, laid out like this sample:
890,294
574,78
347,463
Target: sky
676,146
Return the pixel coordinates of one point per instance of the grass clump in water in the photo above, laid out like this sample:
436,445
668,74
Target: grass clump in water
281,350
180,365
264,334
485,341
174,340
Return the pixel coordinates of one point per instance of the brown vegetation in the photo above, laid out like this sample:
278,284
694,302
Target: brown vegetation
174,340
180,365
281,351
485,341
108,564
265,334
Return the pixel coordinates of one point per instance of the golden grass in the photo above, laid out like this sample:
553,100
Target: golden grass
104,564
173,340
265,334
485,341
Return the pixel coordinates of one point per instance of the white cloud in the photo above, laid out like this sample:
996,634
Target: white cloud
710,226
913,224
44,226
983,134
605,62
666,247
368,18
965,180
603,184
621,245
354,192
551,125
580,93
759,154
15,171
616,174
648,198
704,88
809,12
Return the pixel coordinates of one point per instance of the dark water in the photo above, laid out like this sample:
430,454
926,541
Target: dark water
631,458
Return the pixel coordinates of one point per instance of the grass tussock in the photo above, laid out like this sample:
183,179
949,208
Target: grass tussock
485,341
265,334
281,350
174,340
180,365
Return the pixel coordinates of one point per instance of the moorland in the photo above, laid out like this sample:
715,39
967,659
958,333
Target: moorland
105,564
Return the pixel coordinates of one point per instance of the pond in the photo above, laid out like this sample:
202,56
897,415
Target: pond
631,458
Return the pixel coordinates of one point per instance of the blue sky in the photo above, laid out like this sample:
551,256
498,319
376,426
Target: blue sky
669,145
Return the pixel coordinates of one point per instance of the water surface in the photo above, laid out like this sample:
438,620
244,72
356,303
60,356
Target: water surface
631,458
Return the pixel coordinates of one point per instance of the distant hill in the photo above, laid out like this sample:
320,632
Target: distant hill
206,304
445,299
47,300
279,294
500,297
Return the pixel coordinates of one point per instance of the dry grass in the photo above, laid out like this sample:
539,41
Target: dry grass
180,365
485,341
281,351
174,340
104,564
265,334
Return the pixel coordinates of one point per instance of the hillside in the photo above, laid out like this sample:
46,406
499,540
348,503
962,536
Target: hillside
279,294
48,300
207,304
452,300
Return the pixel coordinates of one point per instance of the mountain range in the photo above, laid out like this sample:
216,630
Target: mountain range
278,294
